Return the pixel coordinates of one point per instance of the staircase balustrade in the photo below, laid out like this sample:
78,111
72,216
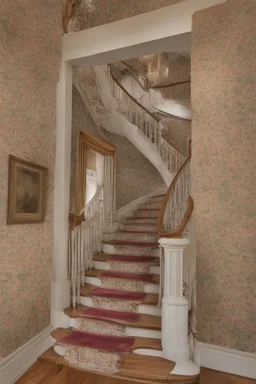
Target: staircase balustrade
148,124
86,229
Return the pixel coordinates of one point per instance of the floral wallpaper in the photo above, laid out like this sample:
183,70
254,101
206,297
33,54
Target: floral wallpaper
132,165
135,175
29,68
224,172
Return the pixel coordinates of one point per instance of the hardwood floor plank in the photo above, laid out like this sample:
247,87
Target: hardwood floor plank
209,376
56,375
35,373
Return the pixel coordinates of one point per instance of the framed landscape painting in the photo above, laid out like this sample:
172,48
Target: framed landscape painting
27,192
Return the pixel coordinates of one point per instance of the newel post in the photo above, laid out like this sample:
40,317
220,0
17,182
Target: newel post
174,304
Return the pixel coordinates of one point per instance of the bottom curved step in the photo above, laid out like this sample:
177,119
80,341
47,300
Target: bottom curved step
134,368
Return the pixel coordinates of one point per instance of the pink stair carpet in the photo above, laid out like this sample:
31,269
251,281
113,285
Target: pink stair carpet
126,275
106,314
132,259
132,242
118,294
96,341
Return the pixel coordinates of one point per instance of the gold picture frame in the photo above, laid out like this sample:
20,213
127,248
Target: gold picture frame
26,192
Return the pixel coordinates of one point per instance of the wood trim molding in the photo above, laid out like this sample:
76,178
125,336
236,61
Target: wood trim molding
69,12
86,141
160,220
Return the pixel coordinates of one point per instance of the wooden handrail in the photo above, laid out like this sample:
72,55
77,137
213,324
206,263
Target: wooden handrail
131,97
75,220
135,75
160,220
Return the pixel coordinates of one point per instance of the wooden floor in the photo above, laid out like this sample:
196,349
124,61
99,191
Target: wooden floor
50,373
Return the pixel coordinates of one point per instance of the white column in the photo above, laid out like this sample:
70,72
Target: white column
175,308
60,282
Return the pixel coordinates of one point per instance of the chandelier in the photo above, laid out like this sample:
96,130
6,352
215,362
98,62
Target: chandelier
157,68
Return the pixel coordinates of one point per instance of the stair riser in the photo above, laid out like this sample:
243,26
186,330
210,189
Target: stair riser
130,250
92,359
106,327
152,205
123,284
131,236
150,221
122,306
145,227
123,266
146,213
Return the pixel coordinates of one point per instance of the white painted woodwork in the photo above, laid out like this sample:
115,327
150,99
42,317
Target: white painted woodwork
174,304
164,30
60,283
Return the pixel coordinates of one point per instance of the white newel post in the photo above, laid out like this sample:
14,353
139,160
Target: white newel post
174,304
175,308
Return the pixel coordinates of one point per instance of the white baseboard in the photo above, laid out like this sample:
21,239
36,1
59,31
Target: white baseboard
14,365
225,359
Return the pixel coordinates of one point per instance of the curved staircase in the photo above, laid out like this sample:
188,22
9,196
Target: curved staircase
116,328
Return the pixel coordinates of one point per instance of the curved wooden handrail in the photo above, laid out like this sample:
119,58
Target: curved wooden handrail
135,75
131,97
160,220
69,12
144,108
75,220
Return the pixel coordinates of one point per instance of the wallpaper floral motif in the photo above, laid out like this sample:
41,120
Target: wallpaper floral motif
224,172
29,66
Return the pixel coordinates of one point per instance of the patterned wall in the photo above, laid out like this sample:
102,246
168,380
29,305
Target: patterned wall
136,176
29,65
224,172
108,11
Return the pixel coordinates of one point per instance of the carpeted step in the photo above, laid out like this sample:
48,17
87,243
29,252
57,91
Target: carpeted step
96,341
146,213
115,299
150,244
127,281
130,319
146,277
141,219
132,236
126,258
118,294
125,263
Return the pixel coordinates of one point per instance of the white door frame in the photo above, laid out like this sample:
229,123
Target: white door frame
162,30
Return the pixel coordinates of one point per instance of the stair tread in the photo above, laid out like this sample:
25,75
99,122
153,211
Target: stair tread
145,298
130,319
104,342
146,277
147,209
132,242
134,367
139,232
126,258
141,218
